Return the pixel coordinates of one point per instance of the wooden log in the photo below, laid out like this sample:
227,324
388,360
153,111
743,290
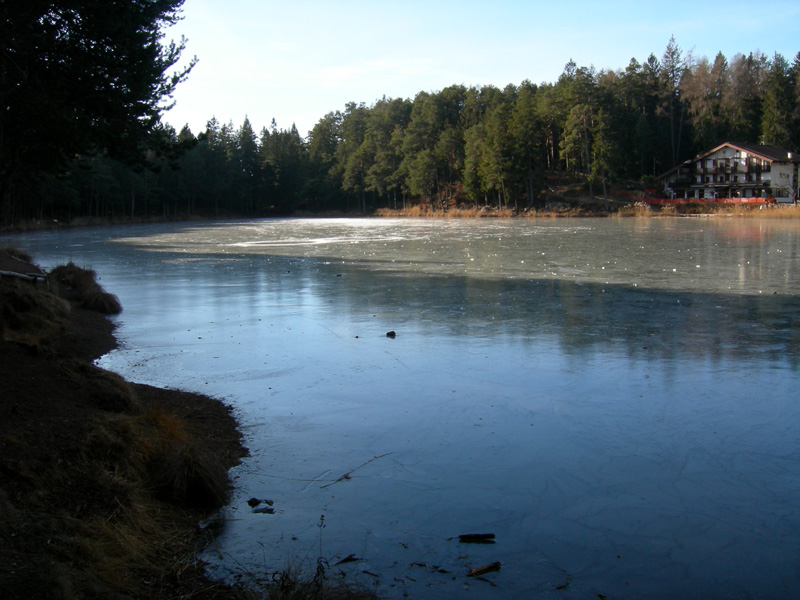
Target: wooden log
476,538
495,566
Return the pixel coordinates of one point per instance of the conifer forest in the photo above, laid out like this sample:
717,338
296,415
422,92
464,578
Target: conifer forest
466,146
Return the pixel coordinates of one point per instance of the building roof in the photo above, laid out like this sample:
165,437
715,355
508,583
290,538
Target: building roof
767,152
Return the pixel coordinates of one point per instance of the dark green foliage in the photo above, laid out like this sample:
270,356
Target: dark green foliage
82,77
778,103
478,146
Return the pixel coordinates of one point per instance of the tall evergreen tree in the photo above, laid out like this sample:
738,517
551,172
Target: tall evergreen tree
82,77
795,75
777,108
352,159
245,167
284,167
323,186
672,106
528,143
212,149
192,172
386,124
742,101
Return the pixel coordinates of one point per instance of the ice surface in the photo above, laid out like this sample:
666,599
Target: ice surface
615,399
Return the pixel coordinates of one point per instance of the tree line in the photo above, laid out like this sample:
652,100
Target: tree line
80,78
481,146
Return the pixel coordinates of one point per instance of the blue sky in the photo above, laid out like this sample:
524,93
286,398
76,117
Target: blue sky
295,61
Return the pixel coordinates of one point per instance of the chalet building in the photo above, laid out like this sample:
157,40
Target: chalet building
736,173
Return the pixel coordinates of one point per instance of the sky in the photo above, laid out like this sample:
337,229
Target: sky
296,61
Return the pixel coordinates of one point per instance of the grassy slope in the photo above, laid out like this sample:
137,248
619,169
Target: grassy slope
102,483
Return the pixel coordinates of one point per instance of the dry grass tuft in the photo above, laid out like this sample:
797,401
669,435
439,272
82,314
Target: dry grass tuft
80,285
187,475
113,544
637,209
29,315
414,211
138,464
763,211
758,211
425,211
567,208
154,449
668,209
291,585
169,426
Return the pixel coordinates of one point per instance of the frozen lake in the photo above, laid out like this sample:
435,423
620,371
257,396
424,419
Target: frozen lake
615,399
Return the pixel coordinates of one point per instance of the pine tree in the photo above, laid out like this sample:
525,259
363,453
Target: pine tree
672,105
742,100
82,77
776,118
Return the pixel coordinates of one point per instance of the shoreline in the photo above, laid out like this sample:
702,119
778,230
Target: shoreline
109,489
561,208
104,482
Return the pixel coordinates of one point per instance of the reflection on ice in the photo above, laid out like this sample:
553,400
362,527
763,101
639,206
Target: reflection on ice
317,241
614,400
704,255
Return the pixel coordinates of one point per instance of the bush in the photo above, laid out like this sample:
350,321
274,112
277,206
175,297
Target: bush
637,209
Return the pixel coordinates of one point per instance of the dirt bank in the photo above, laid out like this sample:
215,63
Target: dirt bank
102,483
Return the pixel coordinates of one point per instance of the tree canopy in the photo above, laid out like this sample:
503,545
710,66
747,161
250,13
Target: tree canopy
82,77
